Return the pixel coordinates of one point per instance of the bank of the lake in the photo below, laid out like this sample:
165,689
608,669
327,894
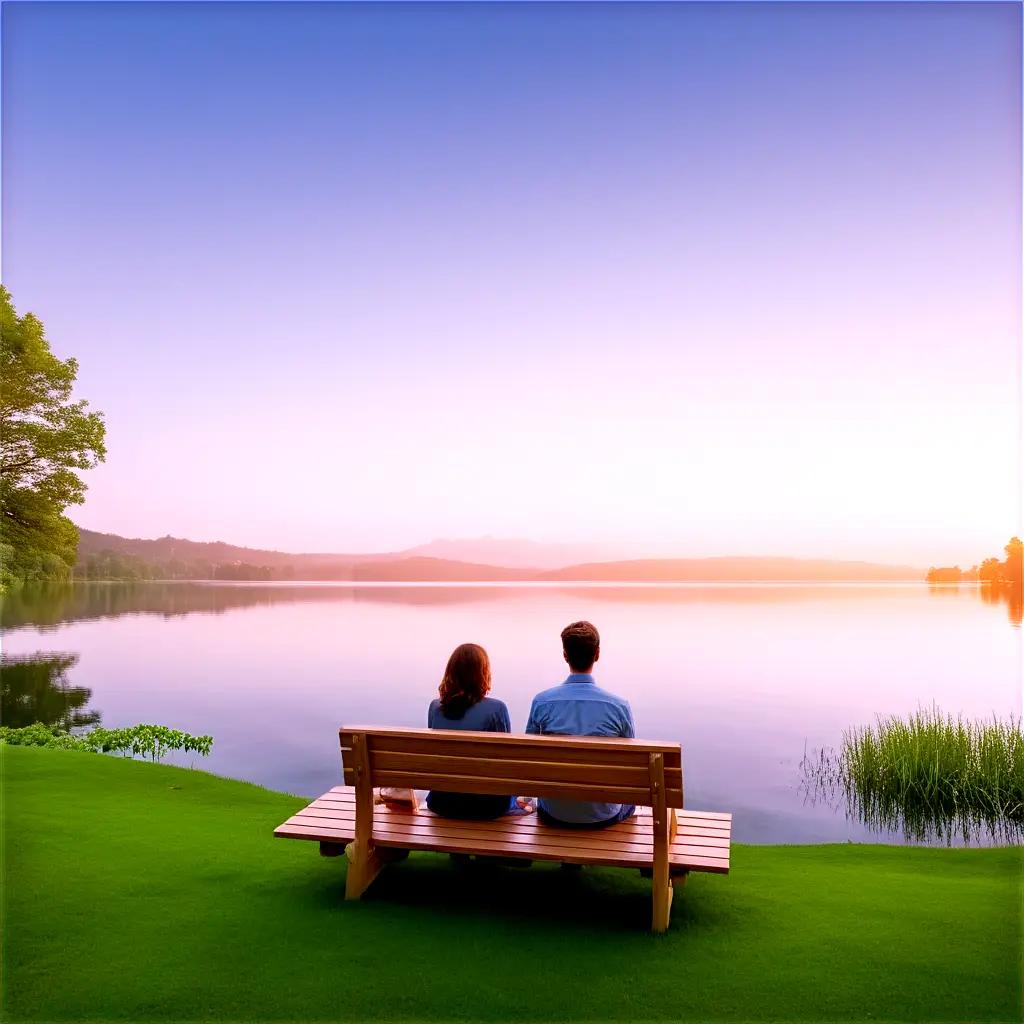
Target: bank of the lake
141,892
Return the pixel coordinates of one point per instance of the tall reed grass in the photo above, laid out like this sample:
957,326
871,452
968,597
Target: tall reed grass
932,776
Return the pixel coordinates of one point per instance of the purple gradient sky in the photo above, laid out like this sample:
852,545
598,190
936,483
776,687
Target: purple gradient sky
712,279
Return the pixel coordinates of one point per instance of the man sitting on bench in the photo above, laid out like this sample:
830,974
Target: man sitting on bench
579,707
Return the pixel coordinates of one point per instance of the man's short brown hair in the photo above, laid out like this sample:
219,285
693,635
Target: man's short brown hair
581,642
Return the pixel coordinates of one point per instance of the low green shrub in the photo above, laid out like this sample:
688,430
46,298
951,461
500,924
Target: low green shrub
153,742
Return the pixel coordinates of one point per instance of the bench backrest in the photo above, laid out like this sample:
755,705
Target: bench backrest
557,767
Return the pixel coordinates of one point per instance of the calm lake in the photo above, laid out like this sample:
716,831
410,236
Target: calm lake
746,677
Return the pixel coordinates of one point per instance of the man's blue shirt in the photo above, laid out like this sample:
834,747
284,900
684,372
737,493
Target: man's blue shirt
579,707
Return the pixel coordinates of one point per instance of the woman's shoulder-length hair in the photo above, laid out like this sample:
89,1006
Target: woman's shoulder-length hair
466,680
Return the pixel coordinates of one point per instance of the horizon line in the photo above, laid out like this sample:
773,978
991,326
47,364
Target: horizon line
413,552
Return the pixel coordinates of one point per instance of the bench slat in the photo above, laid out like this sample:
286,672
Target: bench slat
617,836
698,847
511,829
346,792
598,768
427,839
570,771
515,826
429,833
383,738
694,858
344,795
637,827
511,784
546,749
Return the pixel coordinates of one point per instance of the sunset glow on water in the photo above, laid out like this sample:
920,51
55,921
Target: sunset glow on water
746,678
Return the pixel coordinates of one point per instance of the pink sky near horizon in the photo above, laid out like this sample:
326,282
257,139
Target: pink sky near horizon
756,292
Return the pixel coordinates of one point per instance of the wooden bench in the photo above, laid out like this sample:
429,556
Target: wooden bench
661,839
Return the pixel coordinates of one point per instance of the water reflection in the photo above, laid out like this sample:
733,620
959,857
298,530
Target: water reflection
1009,594
35,688
741,676
44,606
994,593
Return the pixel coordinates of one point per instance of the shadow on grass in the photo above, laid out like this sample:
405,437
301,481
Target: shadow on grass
606,898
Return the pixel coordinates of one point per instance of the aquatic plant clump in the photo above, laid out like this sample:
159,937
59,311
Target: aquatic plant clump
148,741
932,776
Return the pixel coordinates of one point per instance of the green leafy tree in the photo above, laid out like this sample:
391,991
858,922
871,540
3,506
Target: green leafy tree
46,439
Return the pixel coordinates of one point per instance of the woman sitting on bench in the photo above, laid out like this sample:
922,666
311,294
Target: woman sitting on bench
463,704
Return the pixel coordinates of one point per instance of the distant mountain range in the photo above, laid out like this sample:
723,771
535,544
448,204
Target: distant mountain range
170,549
735,570
106,555
516,554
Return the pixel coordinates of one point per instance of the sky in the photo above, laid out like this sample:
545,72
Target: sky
691,279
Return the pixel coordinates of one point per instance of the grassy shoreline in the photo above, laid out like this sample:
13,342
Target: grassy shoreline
139,892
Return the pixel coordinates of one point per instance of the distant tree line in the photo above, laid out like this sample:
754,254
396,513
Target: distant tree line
1006,572
115,565
122,566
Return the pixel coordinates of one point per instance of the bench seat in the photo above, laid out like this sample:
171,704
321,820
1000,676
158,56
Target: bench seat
701,841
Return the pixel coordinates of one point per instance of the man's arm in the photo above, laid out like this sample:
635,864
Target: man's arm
532,724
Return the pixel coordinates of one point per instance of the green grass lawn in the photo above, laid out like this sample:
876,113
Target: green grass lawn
136,892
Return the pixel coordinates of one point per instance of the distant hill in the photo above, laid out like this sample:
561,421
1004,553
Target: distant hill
485,551
735,570
516,553
426,570
167,549
108,556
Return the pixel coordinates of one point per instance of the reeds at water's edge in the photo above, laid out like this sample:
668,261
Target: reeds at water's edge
930,775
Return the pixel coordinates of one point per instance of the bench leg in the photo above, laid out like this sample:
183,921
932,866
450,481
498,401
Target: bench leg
663,824
663,908
363,870
662,905
364,865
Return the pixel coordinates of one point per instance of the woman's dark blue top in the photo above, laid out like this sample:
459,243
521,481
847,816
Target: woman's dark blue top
489,715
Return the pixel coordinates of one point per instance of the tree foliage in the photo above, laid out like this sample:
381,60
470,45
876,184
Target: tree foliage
991,570
46,439
1014,561
1000,579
